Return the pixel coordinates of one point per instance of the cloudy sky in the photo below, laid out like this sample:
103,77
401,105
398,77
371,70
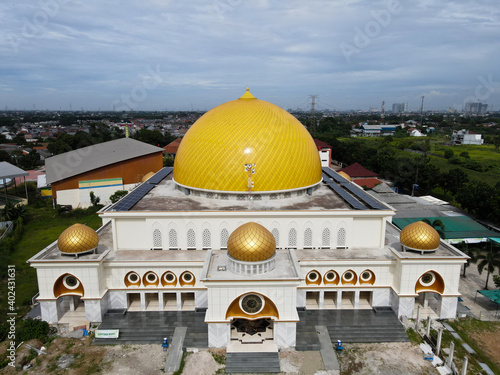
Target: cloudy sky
160,54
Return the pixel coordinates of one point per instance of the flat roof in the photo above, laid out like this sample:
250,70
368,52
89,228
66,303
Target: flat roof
86,159
285,268
165,197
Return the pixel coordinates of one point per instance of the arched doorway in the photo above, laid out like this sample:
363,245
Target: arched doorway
252,317
246,331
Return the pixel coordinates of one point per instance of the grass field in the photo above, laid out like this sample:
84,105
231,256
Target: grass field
43,227
486,155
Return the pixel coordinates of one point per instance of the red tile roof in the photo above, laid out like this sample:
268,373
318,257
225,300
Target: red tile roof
357,170
172,147
321,144
370,183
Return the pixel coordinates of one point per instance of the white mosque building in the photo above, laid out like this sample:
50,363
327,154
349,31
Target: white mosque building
247,226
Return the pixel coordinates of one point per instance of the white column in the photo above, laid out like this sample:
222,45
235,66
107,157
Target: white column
143,300
321,301
219,335
426,300
448,307
405,306
356,299
72,303
179,300
49,311
339,299
285,334
160,300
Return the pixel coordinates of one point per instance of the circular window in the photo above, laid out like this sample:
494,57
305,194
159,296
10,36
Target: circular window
71,282
330,276
187,277
151,277
312,276
169,277
348,276
365,276
252,304
427,279
133,278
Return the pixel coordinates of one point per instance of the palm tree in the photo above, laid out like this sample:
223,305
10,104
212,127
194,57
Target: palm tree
489,260
438,225
471,252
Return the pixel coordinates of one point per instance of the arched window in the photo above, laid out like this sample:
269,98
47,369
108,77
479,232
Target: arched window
157,243
276,236
224,235
191,240
292,238
172,239
308,238
207,239
325,238
341,235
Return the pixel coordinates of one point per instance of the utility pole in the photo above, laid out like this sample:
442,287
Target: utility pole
422,112
313,109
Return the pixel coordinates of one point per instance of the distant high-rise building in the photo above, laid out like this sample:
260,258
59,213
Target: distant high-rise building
475,108
400,107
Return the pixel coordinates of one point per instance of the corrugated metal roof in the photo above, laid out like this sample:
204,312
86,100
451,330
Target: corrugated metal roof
8,170
85,159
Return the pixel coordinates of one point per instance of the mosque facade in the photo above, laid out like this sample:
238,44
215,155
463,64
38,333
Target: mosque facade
249,228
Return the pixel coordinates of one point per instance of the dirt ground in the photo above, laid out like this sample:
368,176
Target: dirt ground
489,342
82,358
384,359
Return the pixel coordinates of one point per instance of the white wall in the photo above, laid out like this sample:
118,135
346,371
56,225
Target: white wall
136,233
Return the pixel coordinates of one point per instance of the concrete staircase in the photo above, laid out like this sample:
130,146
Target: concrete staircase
151,327
350,326
268,362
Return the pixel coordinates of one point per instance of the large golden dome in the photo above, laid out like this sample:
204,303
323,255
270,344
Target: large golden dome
213,153
78,238
251,242
420,236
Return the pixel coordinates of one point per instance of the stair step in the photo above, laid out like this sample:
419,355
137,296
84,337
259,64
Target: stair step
267,362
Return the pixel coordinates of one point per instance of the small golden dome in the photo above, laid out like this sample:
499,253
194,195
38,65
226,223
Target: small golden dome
215,151
251,242
419,236
78,238
345,175
147,176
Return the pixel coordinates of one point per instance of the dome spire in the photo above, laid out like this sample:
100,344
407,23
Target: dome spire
247,95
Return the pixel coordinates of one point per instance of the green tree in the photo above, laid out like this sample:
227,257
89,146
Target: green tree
453,180
490,260
12,211
117,195
93,199
29,161
438,225
448,154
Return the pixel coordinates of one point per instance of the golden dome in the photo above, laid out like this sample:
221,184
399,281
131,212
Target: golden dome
251,242
419,236
78,238
345,175
147,176
214,151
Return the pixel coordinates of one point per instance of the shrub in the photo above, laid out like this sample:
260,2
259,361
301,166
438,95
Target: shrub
465,154
117,195
496,280
33,329
448,154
